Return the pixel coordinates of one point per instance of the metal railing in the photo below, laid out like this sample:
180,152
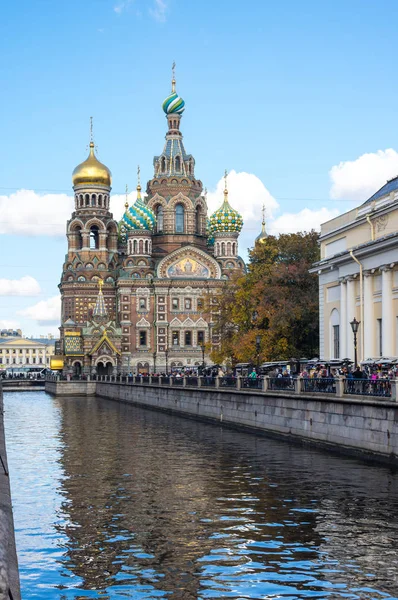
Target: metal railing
339,386
281,383
324,385
368,387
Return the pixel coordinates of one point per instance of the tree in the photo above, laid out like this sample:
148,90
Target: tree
277,299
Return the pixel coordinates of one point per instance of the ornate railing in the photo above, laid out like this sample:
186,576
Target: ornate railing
338,387
368,387
324,385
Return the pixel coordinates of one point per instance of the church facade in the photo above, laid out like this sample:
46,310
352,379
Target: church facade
138,295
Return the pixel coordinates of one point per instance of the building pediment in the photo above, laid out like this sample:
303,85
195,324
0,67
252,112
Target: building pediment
188,263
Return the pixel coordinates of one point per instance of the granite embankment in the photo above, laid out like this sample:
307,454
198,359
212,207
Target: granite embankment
367,427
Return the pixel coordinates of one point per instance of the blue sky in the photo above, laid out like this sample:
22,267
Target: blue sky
298,100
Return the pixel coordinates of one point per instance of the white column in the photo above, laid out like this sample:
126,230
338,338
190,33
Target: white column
351,313
368,326
387,316
343,318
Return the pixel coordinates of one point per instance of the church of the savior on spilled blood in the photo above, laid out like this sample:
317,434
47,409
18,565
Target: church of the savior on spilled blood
137,294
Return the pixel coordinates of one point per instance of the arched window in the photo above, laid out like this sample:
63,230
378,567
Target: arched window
93,200
100,200
234,249
141,246
223,249
94,237
163,164
79,240
228,248
178,164
198,220
135,248
179,228
159,218
146,246
81,200
87,198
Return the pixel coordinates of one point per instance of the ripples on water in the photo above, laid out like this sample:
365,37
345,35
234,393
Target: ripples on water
112,501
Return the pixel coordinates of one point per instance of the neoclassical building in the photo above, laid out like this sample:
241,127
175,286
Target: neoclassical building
358,277
137,294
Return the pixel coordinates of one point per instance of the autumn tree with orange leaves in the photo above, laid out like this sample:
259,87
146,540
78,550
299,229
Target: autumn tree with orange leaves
277,299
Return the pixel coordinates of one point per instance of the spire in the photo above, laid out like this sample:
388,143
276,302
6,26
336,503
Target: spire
91,133
225,187
99,309
139,183
126,204
173,80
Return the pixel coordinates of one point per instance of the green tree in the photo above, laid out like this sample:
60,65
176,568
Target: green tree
277,299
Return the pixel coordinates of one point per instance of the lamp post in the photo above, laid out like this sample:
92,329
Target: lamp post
166,352
202,346
154,362
355,326
258,344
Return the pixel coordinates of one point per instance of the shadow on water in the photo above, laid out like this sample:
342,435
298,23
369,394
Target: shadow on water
138,504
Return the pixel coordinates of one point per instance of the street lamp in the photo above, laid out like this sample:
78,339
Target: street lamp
166,352
355,326
258,343
202,345
154,362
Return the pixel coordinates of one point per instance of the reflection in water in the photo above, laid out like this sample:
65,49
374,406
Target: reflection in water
113,501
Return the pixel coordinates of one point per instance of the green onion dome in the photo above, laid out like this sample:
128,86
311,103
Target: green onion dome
137,217
173,104
226,219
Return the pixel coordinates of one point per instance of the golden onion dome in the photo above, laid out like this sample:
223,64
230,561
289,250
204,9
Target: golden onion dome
92,172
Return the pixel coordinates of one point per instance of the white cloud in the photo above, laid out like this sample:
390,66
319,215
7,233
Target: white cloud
45,312
305,220
9,324
26,286
27,213
158,12
361,178
122,6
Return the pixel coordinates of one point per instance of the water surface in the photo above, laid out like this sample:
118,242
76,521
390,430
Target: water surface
112,501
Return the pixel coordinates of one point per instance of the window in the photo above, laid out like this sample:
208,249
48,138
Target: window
175,303
142,338
94,238
33,360
175,336
159,219
200,302
188,303
201,338
336,341
188,338
178,163
142,303
198,220
179,218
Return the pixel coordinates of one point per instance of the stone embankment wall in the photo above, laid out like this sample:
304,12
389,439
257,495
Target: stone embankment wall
71,388
362,426
9,577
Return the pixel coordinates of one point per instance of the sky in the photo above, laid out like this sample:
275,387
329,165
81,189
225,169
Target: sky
298,101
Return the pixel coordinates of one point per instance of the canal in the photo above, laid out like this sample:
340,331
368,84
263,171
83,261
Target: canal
112,501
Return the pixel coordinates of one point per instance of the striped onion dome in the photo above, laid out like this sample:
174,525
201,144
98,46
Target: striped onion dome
137,217
225,219
173,104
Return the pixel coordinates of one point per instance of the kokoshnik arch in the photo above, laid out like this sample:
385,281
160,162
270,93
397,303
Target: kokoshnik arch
136,294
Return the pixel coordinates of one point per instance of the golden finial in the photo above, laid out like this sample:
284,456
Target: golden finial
91,133
100,284
173,80
138,183
225,184
126,204
263,223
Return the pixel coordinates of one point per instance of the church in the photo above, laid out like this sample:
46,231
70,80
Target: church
139,295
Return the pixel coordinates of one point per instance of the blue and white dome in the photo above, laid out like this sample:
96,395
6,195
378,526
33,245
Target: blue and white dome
137,217
173,104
